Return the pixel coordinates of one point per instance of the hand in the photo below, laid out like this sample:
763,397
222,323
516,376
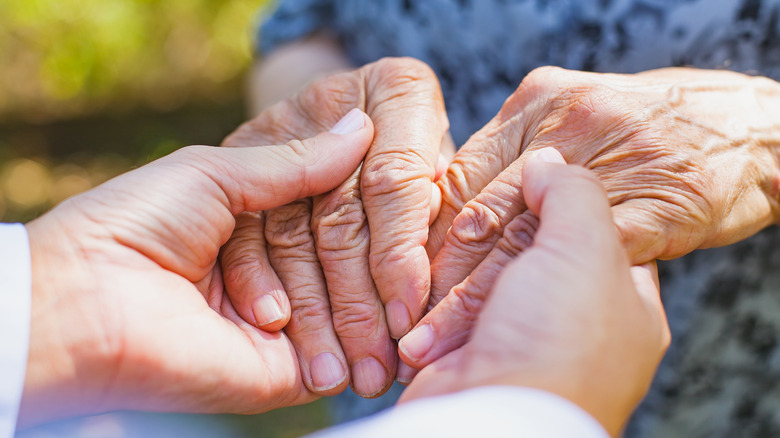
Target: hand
320,247
129,310
569,316
686,157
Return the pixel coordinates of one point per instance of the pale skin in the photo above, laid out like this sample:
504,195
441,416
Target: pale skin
570,315
129,310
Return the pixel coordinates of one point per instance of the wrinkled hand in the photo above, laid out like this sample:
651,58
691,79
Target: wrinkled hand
568,316
320,247
129,309
687,157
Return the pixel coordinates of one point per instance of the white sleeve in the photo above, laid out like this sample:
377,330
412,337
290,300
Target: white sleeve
497,411
15,291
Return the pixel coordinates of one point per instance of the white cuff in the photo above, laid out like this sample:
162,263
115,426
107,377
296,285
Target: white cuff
15,295
496,411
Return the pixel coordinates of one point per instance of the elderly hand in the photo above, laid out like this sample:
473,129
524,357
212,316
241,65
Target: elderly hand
687,157
346,295
569,316
129,309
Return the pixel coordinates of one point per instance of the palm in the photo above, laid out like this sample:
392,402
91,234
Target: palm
160,311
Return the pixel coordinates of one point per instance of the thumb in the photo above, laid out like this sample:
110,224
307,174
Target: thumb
570,202
264,177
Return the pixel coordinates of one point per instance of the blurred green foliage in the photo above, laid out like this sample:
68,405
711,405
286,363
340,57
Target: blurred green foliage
63,58
91,88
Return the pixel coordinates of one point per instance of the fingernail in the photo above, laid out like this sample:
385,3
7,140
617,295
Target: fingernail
369,377
398,319
550,155
417,343
350,123
266,310
326,371
405,373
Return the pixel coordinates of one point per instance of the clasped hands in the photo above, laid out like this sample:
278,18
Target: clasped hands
661,143
344,242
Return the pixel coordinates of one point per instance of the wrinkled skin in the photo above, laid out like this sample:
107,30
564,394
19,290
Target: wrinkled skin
332,283
687,157
570,316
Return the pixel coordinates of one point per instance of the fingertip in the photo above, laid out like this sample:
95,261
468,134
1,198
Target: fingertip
416,344
330,157
353,121
548,155
328,373
399,321
536,175
405,373
347,141
269,314
370,378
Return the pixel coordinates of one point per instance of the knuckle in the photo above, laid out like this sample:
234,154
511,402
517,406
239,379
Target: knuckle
241,255
289,226
519,234
390,256
467,304
239,268
404,83
341,225
405,70
332,95
476,223
309,313
391,171
589,103
356,320
455,187
542,79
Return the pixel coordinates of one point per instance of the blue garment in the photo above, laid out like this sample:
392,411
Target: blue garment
482,49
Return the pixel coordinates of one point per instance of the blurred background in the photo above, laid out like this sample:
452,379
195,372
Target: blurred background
92,88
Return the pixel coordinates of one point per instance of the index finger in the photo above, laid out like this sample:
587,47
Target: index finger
405,102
